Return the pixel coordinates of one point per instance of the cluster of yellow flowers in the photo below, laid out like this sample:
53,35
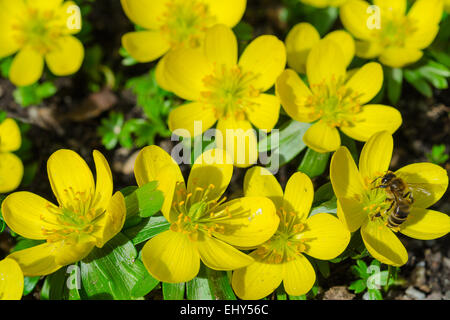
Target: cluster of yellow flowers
199,63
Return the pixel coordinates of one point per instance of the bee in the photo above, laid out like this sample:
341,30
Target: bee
400,196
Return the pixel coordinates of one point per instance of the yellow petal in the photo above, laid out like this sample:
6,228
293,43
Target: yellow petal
26,67
396,57
345,41
146,14
11,280
239,139
298,195
111,222
26,214
366,82
70,14
265,57
218,255
8,42
38,260
10,137
185,71
299,41
344,175
425,224
354,17
227,12
221,46
383,244
391,7
67,57
183,120
428,182
264,111
11,172
325,64
293,94
155,164
376,155
257,280
368,49
425,16
145,46
325,236
211,171
69,177
322,138
44,4
160,73
252,221
298,276
351,213
259,181
372,119
68,253
104,184
171,257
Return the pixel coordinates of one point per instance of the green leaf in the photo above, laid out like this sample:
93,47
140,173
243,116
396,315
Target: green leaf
324,267
302,297
147,229
323,19
418,82
280,293
199,287
24,243
144,286
64,284
324,193
173,291
287,143
375,294
329,206
358,286
5,66
112,272
314,163
394,77
243,31
150,200
219,282
110,129
34,94
29,283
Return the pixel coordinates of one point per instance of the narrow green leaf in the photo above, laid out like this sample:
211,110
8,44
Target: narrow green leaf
394,77
314,163
302,297
418,82
147,229
220,284
173,291
64,284
149,200
199,287
29,283
144,286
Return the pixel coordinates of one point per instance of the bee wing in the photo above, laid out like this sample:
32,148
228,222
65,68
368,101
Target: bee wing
419,191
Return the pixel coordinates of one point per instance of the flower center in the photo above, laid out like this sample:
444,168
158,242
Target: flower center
287,243
196,212
185,22
334,103
230,91
395,31
40,29
76,218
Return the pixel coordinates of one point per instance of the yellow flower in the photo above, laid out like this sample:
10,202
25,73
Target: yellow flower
362,204
88,214
335,98
11,167
225,90
387,32
38,30
324,3
11,280
173,24
303,36
447,6
282,258
202,226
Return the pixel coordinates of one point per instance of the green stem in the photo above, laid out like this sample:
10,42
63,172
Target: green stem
386,287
